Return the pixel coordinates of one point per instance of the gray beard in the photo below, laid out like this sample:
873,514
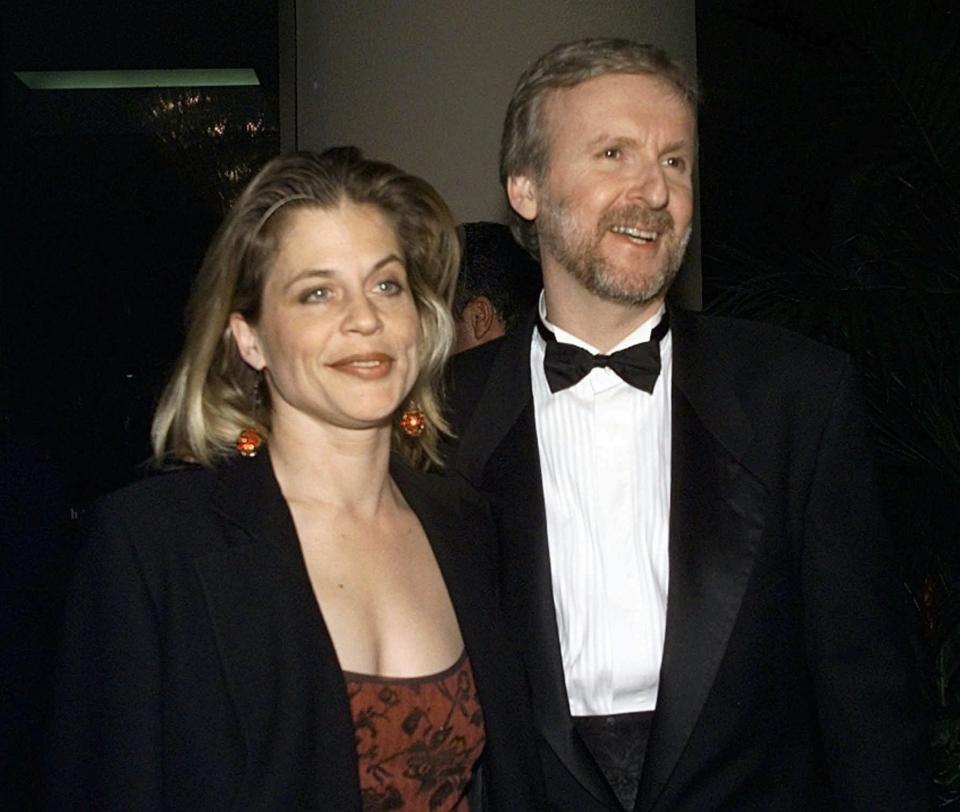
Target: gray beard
579,253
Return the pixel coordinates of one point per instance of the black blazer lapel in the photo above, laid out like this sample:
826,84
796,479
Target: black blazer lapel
498,454
279,660
716,524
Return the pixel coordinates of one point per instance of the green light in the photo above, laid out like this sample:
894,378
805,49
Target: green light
117,79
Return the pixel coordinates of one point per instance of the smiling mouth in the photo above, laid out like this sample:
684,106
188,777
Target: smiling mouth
363,364
368,364
636,235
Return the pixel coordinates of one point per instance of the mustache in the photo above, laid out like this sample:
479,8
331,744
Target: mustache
637,217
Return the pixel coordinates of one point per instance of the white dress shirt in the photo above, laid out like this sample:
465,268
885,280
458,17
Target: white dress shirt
605,461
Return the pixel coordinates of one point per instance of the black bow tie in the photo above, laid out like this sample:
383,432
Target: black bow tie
639,365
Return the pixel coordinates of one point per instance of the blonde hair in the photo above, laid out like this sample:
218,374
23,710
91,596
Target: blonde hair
213,394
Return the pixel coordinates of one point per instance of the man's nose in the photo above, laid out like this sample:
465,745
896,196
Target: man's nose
648,184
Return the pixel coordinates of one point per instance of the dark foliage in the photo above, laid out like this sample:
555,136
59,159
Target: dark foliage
863,253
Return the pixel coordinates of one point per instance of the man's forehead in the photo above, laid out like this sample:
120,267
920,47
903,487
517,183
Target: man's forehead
654,91
652,87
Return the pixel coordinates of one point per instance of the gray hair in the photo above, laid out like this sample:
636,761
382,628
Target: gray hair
524,145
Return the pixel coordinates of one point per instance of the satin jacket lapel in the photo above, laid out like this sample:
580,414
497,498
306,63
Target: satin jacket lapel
506,394
499,456
716,523
278,656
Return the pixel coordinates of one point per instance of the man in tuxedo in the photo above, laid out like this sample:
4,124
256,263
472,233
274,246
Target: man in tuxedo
691,552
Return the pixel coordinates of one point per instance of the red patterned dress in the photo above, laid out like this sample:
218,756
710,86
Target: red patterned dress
417,738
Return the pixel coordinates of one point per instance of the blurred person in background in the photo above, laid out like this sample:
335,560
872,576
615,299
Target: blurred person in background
497,284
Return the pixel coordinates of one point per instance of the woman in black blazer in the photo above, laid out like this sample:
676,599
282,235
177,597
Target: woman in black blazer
299,617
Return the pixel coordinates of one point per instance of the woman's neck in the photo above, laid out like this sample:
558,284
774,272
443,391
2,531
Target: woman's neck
340,468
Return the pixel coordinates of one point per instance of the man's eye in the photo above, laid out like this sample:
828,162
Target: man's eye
676,163
612,153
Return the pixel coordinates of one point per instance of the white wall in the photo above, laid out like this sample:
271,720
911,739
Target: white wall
425,83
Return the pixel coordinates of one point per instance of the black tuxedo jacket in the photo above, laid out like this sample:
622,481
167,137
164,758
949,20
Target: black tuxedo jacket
197,671
787,678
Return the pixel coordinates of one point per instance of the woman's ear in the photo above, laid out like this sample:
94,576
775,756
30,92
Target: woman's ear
248,344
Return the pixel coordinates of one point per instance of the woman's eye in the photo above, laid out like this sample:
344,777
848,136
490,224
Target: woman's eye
612,152
316,295
388,286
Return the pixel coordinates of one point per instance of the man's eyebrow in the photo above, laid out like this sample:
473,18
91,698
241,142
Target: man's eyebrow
676,146
606,139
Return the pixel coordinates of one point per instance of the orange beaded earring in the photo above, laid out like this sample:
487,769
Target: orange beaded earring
413,422
249,442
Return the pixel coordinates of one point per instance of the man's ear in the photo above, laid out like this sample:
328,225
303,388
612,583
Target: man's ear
522,194
481,317
245,337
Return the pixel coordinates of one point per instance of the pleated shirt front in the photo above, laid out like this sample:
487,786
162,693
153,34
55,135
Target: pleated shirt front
605,461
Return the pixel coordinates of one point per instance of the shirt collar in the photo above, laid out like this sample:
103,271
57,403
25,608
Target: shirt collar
638,336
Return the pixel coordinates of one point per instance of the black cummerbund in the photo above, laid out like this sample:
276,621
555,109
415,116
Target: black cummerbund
618,744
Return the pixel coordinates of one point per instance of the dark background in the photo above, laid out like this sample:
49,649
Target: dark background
109,200
113,196
829,178
830,193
